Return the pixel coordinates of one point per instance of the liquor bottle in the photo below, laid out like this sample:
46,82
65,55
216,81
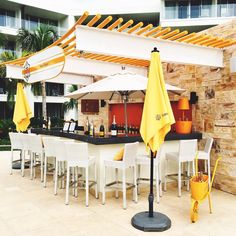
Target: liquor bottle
91,130
49,123
130,129
101,130
114,127
88,127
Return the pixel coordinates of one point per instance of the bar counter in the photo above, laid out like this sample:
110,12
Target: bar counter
113,140
107,147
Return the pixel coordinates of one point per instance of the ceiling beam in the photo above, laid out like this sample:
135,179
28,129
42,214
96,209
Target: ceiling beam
121,44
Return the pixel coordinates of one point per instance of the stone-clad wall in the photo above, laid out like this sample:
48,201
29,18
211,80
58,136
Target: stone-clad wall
215,113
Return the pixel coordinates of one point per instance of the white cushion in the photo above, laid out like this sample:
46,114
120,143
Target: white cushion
203,155
113,163
172,156
145,160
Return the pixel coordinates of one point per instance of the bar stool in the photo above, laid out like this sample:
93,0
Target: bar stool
128,161
25,140
61,159
78,157
206,156
144,160
187,153
49,152
16,145
36,148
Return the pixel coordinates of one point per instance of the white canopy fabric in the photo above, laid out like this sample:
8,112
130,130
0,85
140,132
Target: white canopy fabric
114,86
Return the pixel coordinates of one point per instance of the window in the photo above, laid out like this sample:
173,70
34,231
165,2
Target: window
7,18
170,10
53,110
183,7
54,89
195,8
206,8
33,22
226,8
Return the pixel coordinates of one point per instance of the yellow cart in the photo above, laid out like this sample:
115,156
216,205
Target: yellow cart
200,191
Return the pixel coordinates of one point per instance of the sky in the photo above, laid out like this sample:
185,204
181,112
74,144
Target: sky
77,7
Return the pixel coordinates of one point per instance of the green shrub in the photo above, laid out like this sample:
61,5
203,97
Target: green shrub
6,126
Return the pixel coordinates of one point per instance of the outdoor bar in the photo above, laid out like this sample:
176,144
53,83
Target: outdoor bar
150,109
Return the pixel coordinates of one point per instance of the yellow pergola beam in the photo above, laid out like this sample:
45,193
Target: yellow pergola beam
206,41
115,24
105,22
158,28
68,42
162,32
190,40
172,33
144,29
94,20
137,26
69,47
220,40
222,44
196,41
178,35
186,37
125,26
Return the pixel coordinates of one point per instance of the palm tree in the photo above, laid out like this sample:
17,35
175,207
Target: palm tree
35,41
10,83
72,103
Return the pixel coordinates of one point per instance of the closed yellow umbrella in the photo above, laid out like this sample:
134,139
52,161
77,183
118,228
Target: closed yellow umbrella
157,115
157,119
22,111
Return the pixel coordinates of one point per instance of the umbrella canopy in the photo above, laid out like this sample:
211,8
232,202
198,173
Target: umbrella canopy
114,86
22,111
157,115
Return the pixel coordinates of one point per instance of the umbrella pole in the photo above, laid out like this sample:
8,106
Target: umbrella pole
150,221
151,196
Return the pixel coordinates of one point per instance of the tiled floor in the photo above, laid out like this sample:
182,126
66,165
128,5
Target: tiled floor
26,208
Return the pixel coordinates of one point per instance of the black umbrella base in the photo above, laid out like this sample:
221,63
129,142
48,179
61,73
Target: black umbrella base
158,223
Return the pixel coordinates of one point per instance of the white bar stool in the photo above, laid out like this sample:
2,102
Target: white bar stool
77,156
187,153
144,160
16,145
49,152
36,148
128,161
61,159
25,140
206,156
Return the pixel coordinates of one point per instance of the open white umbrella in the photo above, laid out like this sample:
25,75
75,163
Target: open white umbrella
124,84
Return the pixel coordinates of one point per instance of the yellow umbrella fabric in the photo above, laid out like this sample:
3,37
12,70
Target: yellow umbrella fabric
157,116
22,111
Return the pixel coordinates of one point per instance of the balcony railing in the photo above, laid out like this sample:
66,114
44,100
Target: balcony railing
199,11
14,23
32,25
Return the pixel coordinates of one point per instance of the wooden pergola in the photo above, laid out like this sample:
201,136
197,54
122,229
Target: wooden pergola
125,43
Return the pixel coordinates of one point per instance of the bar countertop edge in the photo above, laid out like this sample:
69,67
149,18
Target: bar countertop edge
113,140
